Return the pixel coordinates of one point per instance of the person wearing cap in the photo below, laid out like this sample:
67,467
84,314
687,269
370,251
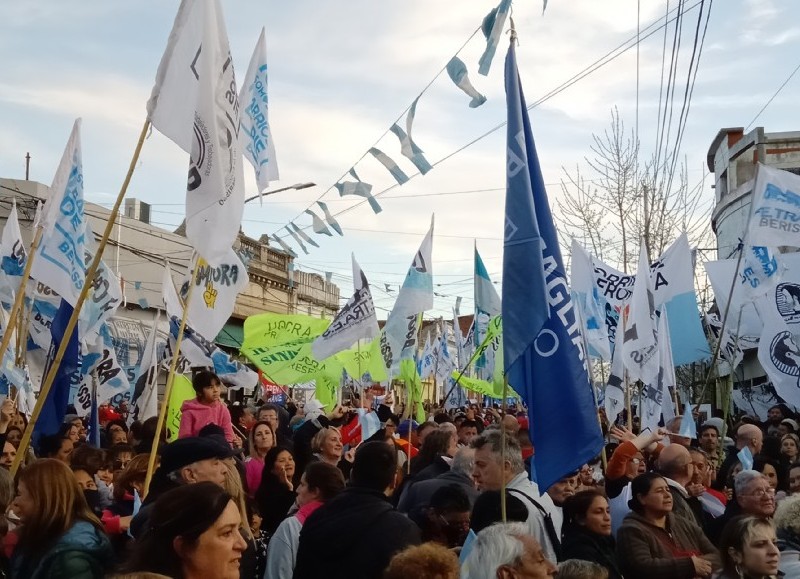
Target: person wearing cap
188,460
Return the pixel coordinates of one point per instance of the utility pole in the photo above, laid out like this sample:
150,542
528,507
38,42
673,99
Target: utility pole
27,166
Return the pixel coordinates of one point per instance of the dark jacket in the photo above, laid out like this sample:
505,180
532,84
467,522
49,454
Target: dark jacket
714,528
579,543
352,536
645,551
418,496
689,508
83,552
274,501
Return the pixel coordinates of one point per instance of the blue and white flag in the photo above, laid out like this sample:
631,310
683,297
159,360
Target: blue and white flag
444,363
776,205
102,376
640,343
541,331
399,336
486,298
144,400
673,288
688,426
284,246
390,165
459,75
760,272
369,422
427,360
195,103
330,219
297,239
408,147
318,225
255,135
303,235
103,299
614,396
587,300
492,29
60,261
13,256
360,189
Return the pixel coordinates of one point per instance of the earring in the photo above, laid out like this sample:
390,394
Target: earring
739,571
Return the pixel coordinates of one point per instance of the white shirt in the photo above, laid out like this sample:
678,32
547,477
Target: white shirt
535,522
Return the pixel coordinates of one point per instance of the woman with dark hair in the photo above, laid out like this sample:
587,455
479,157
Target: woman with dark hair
320,483
59,535
187,542
117,517
275,495
749,549
655,544
436,445
772,469
57,447
587,531
260,440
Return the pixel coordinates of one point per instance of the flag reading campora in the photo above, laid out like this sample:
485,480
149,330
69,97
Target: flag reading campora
543,349
355,321
195,103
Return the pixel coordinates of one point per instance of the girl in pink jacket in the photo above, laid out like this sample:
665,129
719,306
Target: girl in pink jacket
206,409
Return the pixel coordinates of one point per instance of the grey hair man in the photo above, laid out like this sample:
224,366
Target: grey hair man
506,551
496,468
754,494
416,497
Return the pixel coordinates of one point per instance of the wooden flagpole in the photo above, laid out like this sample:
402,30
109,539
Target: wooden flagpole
162,414
503,435
73,320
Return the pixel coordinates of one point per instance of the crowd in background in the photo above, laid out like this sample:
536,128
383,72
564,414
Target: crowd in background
297,491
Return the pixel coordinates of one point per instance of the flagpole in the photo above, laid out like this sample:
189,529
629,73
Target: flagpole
73,320
162,414
503,450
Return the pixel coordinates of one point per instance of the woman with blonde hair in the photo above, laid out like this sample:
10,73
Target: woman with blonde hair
427,561
59,536
327,447
260,440
748,548
787,526
233,486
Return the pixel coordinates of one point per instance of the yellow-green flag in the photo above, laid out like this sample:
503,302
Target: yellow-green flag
181,392
358,361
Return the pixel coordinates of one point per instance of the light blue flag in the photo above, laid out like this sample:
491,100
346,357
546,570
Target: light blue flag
390,165
330,219
409,148
302,234
543,349
688,427
486,298
284,246
493,28
745,456
297,239
318,225
359,188
369,422
459,75
469,543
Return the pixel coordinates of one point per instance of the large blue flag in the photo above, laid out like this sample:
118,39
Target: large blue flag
543,349
55,407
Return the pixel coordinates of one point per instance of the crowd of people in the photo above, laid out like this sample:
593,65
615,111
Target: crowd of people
281,492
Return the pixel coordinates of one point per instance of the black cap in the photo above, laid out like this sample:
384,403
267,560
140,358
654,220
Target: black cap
186,451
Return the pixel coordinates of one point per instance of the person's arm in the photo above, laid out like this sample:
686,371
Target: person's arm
187,424
227,425
281,552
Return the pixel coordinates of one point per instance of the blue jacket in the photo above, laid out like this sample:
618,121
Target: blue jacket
83,552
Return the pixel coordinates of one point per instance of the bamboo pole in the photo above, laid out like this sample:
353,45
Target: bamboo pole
503,435
73,320
162,414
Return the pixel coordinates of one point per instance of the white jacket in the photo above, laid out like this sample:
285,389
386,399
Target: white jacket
282,550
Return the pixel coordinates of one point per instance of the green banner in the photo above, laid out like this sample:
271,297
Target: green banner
367,358
181,392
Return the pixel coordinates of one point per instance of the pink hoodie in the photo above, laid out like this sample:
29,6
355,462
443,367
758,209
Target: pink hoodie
195,415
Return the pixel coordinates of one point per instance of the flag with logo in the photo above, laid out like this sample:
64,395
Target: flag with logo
399,336
542,338
640,343
355,321
672,281
614,397
104,298
776,204
102,376
255,135
666,375
215,292
144,400
60,260
427,360
588,301
195,103
13,256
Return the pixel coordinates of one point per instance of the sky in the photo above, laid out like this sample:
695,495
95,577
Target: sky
342,73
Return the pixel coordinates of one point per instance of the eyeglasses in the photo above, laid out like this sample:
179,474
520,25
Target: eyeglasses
761,493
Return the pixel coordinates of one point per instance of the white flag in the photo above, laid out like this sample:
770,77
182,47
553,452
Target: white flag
214,294
776,206
444,363
13,256
255,135
195,103
667,373
172,303
399,337
355,321
144,401
104,298
427,361
614,400
640,345
60,261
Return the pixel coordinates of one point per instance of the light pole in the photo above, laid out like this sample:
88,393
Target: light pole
296,186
